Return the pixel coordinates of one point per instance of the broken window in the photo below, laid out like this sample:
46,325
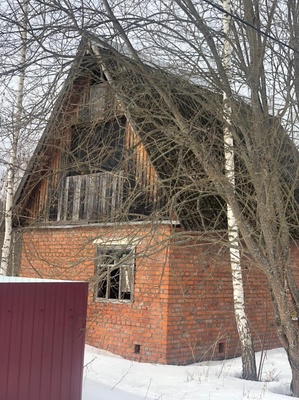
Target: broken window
114,274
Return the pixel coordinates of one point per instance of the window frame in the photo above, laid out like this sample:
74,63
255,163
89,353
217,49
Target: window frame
106,252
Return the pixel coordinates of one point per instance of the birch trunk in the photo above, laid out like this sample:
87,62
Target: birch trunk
17,121
248,354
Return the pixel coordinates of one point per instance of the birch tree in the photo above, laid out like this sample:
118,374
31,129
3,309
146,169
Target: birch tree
187,35
265,222
13,154
248,356
34,57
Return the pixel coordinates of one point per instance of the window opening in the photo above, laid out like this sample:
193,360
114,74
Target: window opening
98,101
137,348
221,347
115,273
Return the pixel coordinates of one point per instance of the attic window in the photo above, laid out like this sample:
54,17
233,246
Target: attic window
114,274
98,100
98,104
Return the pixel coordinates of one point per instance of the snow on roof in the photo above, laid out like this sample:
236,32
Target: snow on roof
17,279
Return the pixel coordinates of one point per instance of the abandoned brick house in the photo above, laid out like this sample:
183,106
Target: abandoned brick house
108,197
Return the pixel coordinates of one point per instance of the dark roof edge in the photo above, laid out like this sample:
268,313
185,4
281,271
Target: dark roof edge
58,103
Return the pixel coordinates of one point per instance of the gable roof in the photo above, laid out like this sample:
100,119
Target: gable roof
176,158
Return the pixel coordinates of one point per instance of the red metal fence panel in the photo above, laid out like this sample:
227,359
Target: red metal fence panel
42,329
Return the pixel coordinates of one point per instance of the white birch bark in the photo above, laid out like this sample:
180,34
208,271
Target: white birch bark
12,165
248,356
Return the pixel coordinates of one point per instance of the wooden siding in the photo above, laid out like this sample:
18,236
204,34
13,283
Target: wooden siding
42,340
133,185
145,176
98,104
58,190
89,196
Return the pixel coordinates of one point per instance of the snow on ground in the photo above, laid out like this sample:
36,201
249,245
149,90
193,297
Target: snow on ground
110,377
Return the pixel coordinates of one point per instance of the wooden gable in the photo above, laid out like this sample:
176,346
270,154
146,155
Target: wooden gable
113,151
104,159
92,166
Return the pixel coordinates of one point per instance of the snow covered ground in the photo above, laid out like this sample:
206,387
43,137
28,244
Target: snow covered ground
109,377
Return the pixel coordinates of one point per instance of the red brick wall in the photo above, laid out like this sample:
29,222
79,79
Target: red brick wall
70,253
200,309
182,305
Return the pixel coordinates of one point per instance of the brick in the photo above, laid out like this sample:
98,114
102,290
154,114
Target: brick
182,296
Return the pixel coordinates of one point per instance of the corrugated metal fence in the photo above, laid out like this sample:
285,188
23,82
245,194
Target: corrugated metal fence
42,340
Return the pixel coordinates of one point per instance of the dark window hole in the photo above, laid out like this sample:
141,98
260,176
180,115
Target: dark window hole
221,347
137,348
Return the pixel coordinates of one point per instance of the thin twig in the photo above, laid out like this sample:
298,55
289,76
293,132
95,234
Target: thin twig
122,377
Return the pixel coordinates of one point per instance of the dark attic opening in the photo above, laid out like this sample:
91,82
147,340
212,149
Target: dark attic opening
98,148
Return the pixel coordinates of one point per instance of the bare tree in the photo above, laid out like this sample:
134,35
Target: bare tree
26,46
264,201
248,356
187,35
17,120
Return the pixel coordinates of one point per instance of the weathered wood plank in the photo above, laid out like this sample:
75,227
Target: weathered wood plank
91,196
76,200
